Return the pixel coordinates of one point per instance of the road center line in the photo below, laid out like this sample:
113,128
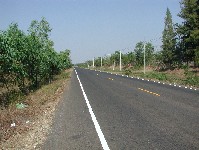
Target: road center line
149,92
96,124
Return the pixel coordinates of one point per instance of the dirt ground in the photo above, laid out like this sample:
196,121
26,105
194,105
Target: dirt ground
27,128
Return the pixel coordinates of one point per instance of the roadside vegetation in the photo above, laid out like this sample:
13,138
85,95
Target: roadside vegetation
28,60
32,78
31,122
178,59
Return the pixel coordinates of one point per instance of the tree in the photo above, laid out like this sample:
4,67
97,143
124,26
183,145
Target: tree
65,60
190,29
149,52
115,58
139,53
28,60
168,40
38,48
98,62
131,58
12,56
128,59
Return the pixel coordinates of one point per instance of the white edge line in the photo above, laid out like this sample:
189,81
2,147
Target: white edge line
97,127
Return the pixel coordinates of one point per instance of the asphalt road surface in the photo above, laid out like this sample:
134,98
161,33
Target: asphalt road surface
105,111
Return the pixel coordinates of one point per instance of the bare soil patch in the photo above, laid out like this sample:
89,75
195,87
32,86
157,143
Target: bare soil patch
27,128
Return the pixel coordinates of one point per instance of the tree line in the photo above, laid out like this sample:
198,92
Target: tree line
180,43
28,59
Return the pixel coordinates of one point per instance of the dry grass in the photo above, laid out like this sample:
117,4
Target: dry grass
31,123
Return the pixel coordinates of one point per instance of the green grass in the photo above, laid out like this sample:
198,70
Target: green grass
188,78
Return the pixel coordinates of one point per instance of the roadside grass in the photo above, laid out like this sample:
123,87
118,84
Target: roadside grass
179,76
189,79
37,102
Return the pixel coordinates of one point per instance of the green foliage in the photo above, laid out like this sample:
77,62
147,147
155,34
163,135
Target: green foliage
128,59
29,60
156,75
189,30
139,53
168,39
115,58
191,78
98,62
128,71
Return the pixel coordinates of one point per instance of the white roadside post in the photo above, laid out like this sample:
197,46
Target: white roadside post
144,59
101,62
120,60
93,63
114,65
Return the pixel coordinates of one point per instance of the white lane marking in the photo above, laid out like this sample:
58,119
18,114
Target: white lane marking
97,127
148,80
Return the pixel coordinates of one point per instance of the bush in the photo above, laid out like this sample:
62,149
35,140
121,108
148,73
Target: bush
28,60
156,75
191,78
128,71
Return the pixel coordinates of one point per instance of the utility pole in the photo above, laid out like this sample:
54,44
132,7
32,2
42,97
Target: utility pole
144,59
93,63
101,62
120,60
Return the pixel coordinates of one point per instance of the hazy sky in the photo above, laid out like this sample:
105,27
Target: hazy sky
92,28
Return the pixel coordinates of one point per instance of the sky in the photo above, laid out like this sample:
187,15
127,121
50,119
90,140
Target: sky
93,28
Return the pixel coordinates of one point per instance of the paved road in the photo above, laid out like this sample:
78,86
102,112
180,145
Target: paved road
131,113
